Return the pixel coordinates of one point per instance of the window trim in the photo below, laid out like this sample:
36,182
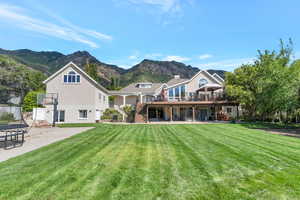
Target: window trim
82,118
71,78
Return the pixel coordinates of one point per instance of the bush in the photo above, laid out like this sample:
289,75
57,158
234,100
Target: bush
7,117
130,112
30,101
112,114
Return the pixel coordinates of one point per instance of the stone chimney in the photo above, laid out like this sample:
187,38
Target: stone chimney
177,76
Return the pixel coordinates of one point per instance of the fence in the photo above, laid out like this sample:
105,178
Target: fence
15,110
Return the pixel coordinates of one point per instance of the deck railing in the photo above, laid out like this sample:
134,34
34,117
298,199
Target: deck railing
199,97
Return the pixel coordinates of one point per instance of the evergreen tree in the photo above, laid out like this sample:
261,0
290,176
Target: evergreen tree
91,70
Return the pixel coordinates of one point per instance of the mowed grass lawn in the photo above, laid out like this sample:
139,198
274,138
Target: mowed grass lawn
224,161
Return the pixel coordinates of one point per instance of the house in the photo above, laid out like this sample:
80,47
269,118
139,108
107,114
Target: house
200,98
82,100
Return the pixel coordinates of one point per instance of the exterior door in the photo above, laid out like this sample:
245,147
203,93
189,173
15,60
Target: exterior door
98,115
203,114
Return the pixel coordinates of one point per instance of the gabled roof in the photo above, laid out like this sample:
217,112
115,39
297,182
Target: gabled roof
206,72
79,70
217,76
175,81
132,89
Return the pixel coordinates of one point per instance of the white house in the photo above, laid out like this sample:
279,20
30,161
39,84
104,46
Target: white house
80,98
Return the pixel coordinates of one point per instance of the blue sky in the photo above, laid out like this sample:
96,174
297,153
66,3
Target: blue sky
202,33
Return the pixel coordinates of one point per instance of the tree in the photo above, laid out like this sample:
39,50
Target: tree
268,86
91,70
114,83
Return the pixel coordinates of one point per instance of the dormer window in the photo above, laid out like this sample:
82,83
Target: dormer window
71,77
144,85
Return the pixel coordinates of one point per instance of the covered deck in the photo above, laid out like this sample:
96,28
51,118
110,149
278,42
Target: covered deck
186,110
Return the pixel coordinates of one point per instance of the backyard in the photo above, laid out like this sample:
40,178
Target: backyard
212,161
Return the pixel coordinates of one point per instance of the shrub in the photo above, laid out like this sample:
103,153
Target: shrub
7,117
30,101
130,112
112,114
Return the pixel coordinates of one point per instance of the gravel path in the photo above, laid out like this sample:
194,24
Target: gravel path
39,137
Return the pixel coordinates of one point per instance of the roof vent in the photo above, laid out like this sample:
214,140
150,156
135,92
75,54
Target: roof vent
177,76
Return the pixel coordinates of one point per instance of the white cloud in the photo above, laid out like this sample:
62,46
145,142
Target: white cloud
205,56
164,5
153,56
16,16
164,11
229,64
133,57
177,58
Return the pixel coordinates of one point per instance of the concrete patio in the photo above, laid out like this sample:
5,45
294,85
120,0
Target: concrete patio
39,137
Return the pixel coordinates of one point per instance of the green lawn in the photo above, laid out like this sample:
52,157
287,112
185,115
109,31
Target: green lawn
3,122
160,162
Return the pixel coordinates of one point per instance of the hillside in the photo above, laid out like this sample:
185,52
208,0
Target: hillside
148,70
16,79
157,71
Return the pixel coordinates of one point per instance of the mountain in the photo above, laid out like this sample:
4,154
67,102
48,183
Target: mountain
45,61
49,62
80,58
157,71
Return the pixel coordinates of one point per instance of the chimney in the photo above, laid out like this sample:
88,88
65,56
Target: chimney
177,76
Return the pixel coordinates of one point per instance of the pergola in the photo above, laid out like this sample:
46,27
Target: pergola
211,87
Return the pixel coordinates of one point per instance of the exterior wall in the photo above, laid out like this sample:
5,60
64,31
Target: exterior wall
73,97
130,100
193,85
101,103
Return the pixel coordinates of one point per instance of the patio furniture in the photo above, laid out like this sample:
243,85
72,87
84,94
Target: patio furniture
11,135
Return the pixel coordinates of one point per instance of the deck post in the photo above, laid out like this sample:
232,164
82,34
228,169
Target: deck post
147,113
237,113
171,113
205,90
124,100
193,113
156,113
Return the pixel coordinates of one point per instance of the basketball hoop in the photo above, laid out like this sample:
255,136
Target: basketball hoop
47,98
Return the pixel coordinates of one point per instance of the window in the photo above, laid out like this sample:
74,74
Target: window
60,117
202,82
177,92
144,85
104,98
171,94
182,93
229,110
100,97
72,77
82,114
